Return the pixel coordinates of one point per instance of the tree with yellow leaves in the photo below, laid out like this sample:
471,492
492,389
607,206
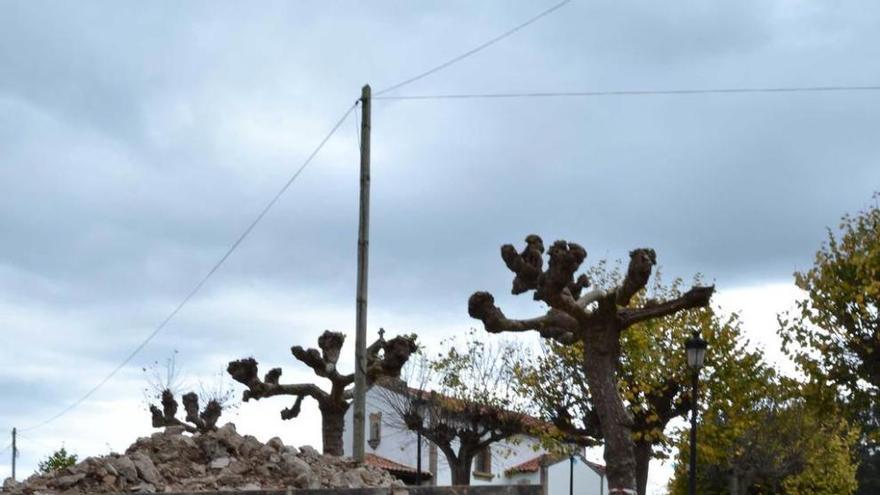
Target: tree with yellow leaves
772,439
834,336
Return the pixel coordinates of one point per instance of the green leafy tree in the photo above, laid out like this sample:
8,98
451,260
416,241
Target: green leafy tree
59,459
834,335
771,442
654,378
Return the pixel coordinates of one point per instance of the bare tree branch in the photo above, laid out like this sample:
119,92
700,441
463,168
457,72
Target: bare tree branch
570,321
555,324
244,371
384,359
696,297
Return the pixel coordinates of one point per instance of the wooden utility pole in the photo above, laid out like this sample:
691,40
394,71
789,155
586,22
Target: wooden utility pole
360,350
14,454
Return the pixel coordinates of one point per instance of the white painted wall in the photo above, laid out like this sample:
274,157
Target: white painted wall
399,444
586,480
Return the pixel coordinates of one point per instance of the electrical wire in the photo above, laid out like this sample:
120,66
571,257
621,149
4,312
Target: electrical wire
201,282
472,51
646,92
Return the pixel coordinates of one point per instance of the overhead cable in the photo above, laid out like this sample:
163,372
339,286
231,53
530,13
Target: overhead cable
201,282
472,51
645,92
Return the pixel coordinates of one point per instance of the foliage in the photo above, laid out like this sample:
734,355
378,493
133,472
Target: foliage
772,441
463,400
654,377
834,336
59,459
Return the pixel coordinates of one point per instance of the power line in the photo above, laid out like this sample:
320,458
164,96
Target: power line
204,279
646,92
473,50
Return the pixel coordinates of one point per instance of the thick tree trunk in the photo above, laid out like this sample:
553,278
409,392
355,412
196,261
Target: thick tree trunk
614,420
461,471
332,427
643,452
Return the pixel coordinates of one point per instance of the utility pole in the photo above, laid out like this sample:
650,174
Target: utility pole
14,454
360,347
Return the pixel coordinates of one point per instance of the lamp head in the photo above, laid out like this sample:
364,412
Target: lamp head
696,350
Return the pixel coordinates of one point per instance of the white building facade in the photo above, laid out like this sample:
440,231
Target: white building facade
518,460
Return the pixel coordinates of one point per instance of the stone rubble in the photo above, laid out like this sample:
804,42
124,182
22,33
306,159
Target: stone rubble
173,461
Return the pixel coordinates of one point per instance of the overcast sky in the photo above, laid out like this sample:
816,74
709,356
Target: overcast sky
137,142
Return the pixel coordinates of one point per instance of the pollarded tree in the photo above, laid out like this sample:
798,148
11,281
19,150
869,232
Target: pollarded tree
384,360
196,420
465,401
596,319
655,380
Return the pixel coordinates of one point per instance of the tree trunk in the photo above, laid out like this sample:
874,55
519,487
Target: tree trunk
643,452
461,471
332,427
614,420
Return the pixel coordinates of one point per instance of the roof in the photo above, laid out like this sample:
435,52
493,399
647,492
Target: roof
391,466
534,464
526,419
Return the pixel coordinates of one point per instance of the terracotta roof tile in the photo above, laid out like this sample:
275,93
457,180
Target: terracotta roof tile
534,464
389,465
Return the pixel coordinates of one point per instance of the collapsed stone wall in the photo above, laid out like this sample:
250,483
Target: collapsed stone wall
218,460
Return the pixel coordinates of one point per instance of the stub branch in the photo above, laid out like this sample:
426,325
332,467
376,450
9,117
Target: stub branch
245,372
696,297
555,324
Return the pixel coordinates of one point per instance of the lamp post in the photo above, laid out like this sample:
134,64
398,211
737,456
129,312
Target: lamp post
696,352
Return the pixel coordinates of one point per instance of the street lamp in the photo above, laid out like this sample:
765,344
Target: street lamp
696,352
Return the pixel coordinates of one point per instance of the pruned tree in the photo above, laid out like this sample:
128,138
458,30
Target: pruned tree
464,401
655,379
596,319
384,360
164,382
196,420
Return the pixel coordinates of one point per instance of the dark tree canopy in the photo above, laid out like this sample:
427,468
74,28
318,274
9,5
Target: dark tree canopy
596,319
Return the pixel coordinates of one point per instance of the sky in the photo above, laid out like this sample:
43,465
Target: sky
136,144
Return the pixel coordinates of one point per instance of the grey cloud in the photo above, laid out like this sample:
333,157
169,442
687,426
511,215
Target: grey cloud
136,144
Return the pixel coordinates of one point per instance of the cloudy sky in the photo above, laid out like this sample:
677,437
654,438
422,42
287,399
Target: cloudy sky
137,142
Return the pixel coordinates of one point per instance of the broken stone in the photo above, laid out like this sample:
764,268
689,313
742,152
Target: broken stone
220,463
146,469
125,468
142,488
275,443
192,463
69,480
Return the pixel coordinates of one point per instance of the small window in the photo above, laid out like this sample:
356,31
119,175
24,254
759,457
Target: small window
483,461
375,430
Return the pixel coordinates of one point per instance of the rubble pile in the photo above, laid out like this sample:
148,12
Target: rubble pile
172,461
